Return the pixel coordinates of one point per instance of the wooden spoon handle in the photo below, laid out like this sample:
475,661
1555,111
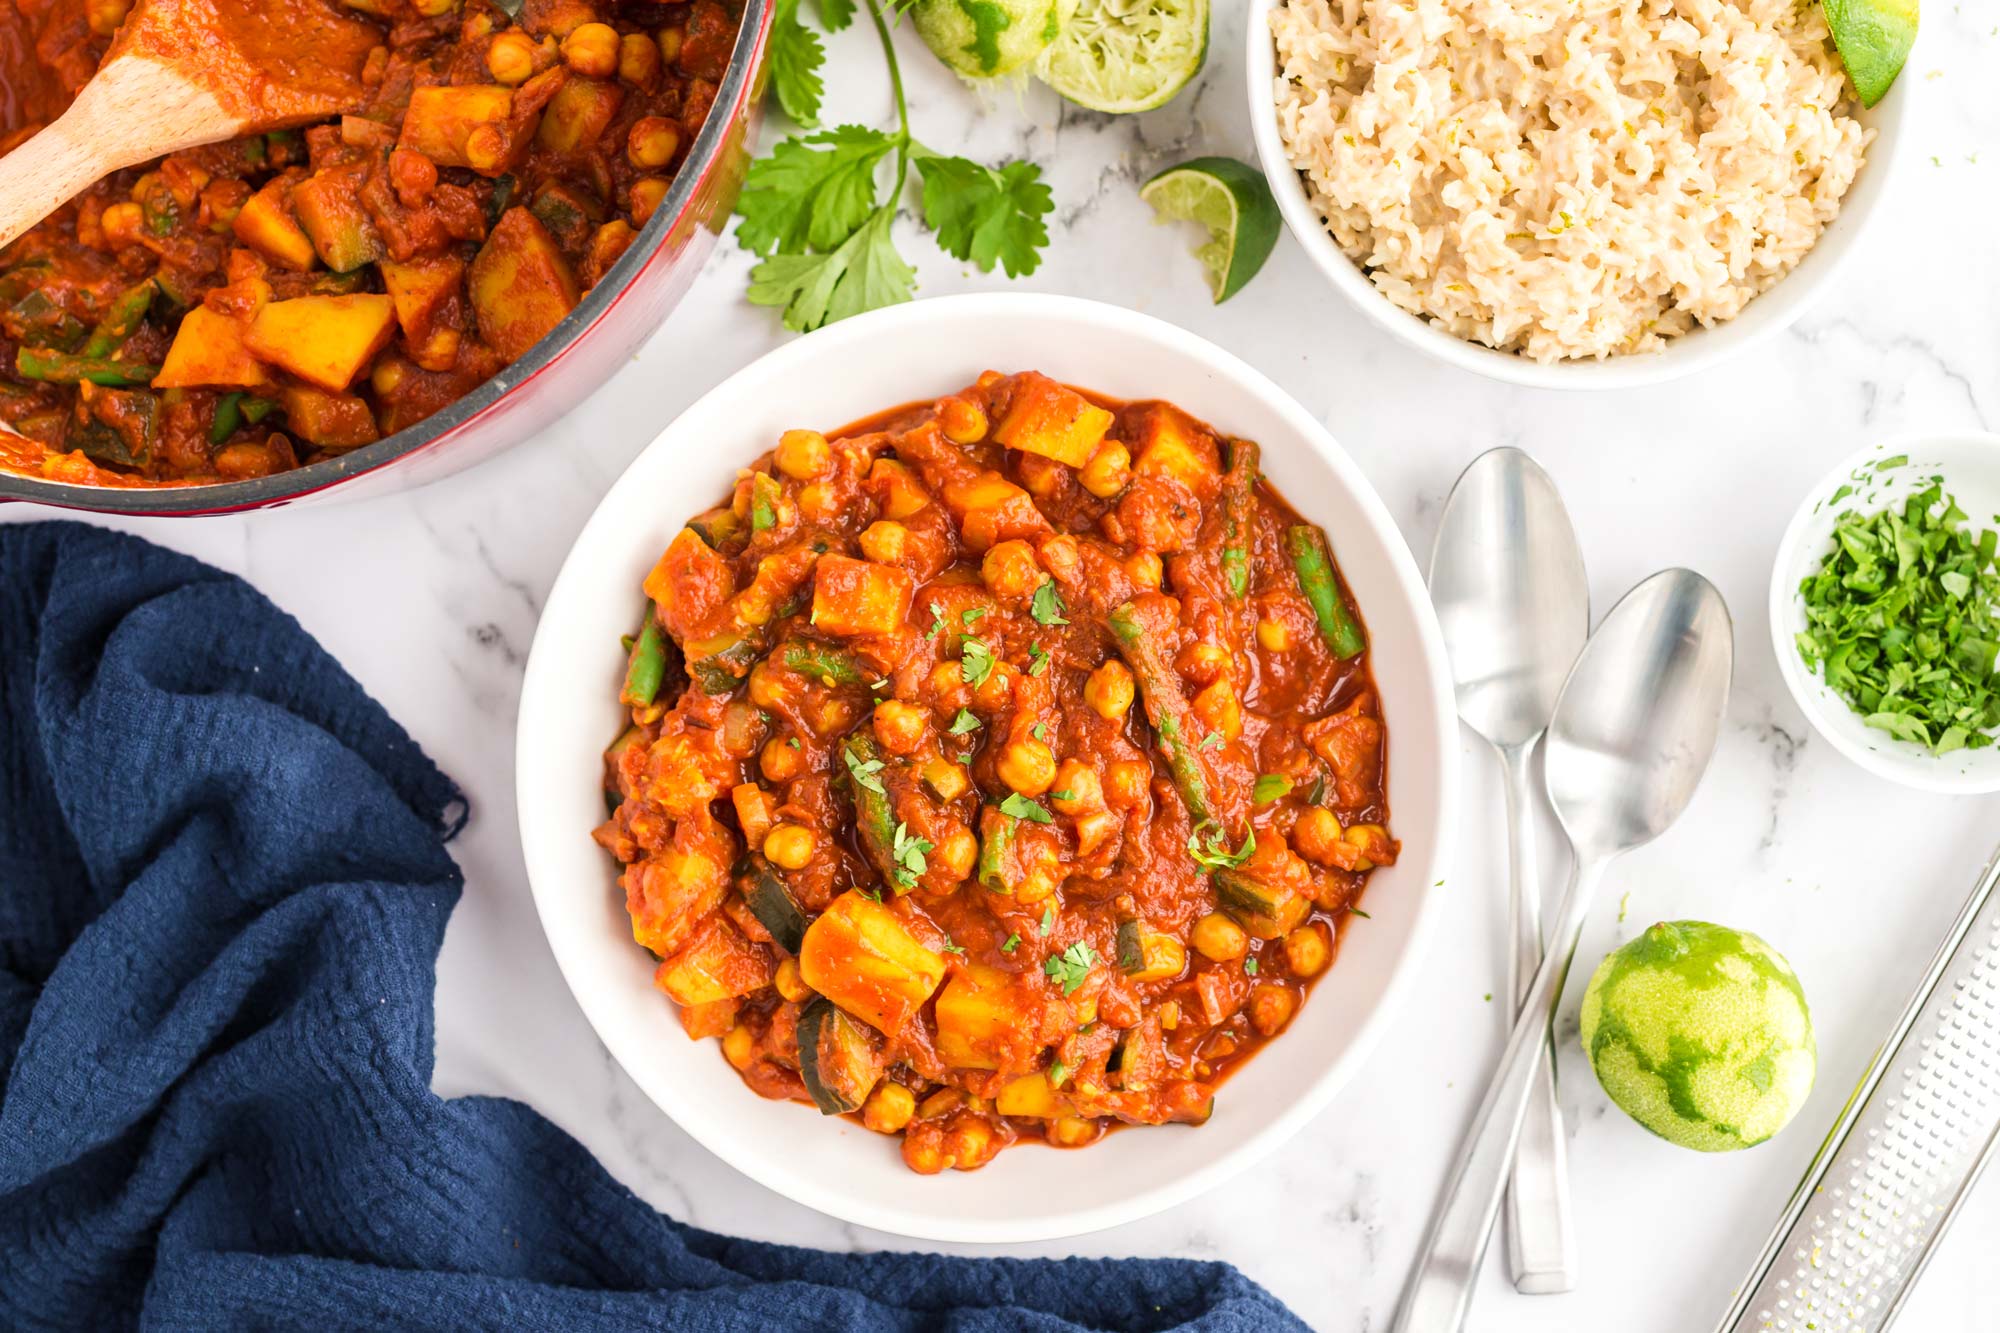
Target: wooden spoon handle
135,109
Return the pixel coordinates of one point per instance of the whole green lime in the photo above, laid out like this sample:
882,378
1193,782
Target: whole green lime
1701,1034
983,39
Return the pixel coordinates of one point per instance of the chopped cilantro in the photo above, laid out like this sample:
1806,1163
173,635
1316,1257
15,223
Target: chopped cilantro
1071,967
1358,912
908,854
1021,807
1058,1072
1013,943
964,722
1250,966
793,741
1047,607
1210,741
970,614
937,621
1040,731
950,947
1215,855
1318,791
1038,659
863,771
1064,795
976,660
1048,918
1270,786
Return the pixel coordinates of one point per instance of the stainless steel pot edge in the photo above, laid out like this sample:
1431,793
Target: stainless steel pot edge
737,84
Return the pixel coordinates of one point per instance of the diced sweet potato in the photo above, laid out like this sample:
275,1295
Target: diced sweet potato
1052,420
577,116
329,209
325,340
1170,443
855,597
986,1019
420,289
859,954
717,964
265,224
329,420
521,285
441,119
991,509
690,584
209,352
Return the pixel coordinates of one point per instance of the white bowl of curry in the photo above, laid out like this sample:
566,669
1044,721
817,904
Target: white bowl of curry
1003,769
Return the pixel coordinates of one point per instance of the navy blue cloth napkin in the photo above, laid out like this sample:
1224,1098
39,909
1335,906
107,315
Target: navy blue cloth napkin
223,882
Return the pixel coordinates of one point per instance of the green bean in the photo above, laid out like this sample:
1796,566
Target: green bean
1239,487
829,666
1313,563
36,363
873,816
121,320
647,666
1166,708
996,850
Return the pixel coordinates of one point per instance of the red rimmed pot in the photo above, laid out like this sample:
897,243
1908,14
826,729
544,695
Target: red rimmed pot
559,372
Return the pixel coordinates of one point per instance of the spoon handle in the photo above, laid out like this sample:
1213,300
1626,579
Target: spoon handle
1541,1244
1447,1268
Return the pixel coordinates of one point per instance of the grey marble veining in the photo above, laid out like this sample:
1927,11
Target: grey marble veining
431,599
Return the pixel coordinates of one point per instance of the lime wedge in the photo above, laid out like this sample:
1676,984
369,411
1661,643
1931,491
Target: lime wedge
1874,38
1236,207
1127,55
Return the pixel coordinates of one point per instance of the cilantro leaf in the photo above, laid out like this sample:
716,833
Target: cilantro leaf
985,216
1058,1072
1047,608
908,854
1013,943
964,722
1270,786
1071,967
863,771
937,621
970,614
951,946
975,660
836,14
1021,807
1038,659
1048,918
1215,854
1250,966
795,56
805,196
865,273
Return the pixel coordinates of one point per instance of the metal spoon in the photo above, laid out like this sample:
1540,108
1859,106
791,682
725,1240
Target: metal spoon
1508,583
1633,730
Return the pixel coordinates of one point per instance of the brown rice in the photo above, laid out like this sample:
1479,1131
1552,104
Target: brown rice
1567,178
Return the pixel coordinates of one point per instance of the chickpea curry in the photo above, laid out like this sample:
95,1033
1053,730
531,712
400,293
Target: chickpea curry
1002,768
248,307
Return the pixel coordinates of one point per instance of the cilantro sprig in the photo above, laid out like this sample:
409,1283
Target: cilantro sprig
1901,621
908,853
1071,967
815,212
1213,852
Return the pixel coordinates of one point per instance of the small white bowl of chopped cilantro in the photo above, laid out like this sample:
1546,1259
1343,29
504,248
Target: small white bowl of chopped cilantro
1885,610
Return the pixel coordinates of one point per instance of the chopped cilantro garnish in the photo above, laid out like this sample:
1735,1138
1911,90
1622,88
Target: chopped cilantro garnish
950,947
1210,741
1021,807
908,854
1047,607
1250,966
1038,659
863,771
793,741
1318,791
963,722
937,621
1048,918
970,614
1013,943
1058,1072
872,894
1071,967
1903,621
1064,795
1270,786
1215,853
1040,731
1358,912
975,660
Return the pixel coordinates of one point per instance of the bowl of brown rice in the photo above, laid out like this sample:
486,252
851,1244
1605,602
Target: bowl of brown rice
1569,193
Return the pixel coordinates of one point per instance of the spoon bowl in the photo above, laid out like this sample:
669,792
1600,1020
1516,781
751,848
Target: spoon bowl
1638,717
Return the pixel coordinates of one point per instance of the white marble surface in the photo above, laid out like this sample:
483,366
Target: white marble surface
431,600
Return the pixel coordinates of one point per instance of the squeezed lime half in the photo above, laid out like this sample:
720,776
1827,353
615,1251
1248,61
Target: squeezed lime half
1233,203
1126,55
1874,39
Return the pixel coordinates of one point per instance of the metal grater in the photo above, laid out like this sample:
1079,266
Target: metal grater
1903,1156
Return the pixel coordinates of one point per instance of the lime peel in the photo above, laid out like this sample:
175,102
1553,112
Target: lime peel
1233,203
1122,56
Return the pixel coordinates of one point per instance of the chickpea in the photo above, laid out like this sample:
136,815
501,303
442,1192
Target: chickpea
652,142
1010,569
1072,1131
781,759
1061,557
1036,885
737,1046
946,779
1042,477
818,501
1363,837
884,541
801,454
606,244
835,716
1094,828
1170,1015
992,694
1127,783
1107,470
888,1108
766,690
1273,636
638,59
240,462
1306,951
485,147
105,16
388,375
969,1143
645,197
1217,706
1028,766
790,984
1271,1008
789,846
1316,836
941,1104
669,40
1218,938
123,223
963,420
414,176
431,9
1109,690
923,1149
948,684
591,49
959,851
1080,780
899,726
1204,663
1146,571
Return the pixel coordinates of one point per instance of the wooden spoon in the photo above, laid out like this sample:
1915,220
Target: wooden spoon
182,73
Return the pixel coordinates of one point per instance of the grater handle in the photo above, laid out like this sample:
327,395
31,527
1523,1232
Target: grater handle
1741,1316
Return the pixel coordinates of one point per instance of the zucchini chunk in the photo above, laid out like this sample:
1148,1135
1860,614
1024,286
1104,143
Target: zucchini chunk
860,955
772,903
841,1060
1263,909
